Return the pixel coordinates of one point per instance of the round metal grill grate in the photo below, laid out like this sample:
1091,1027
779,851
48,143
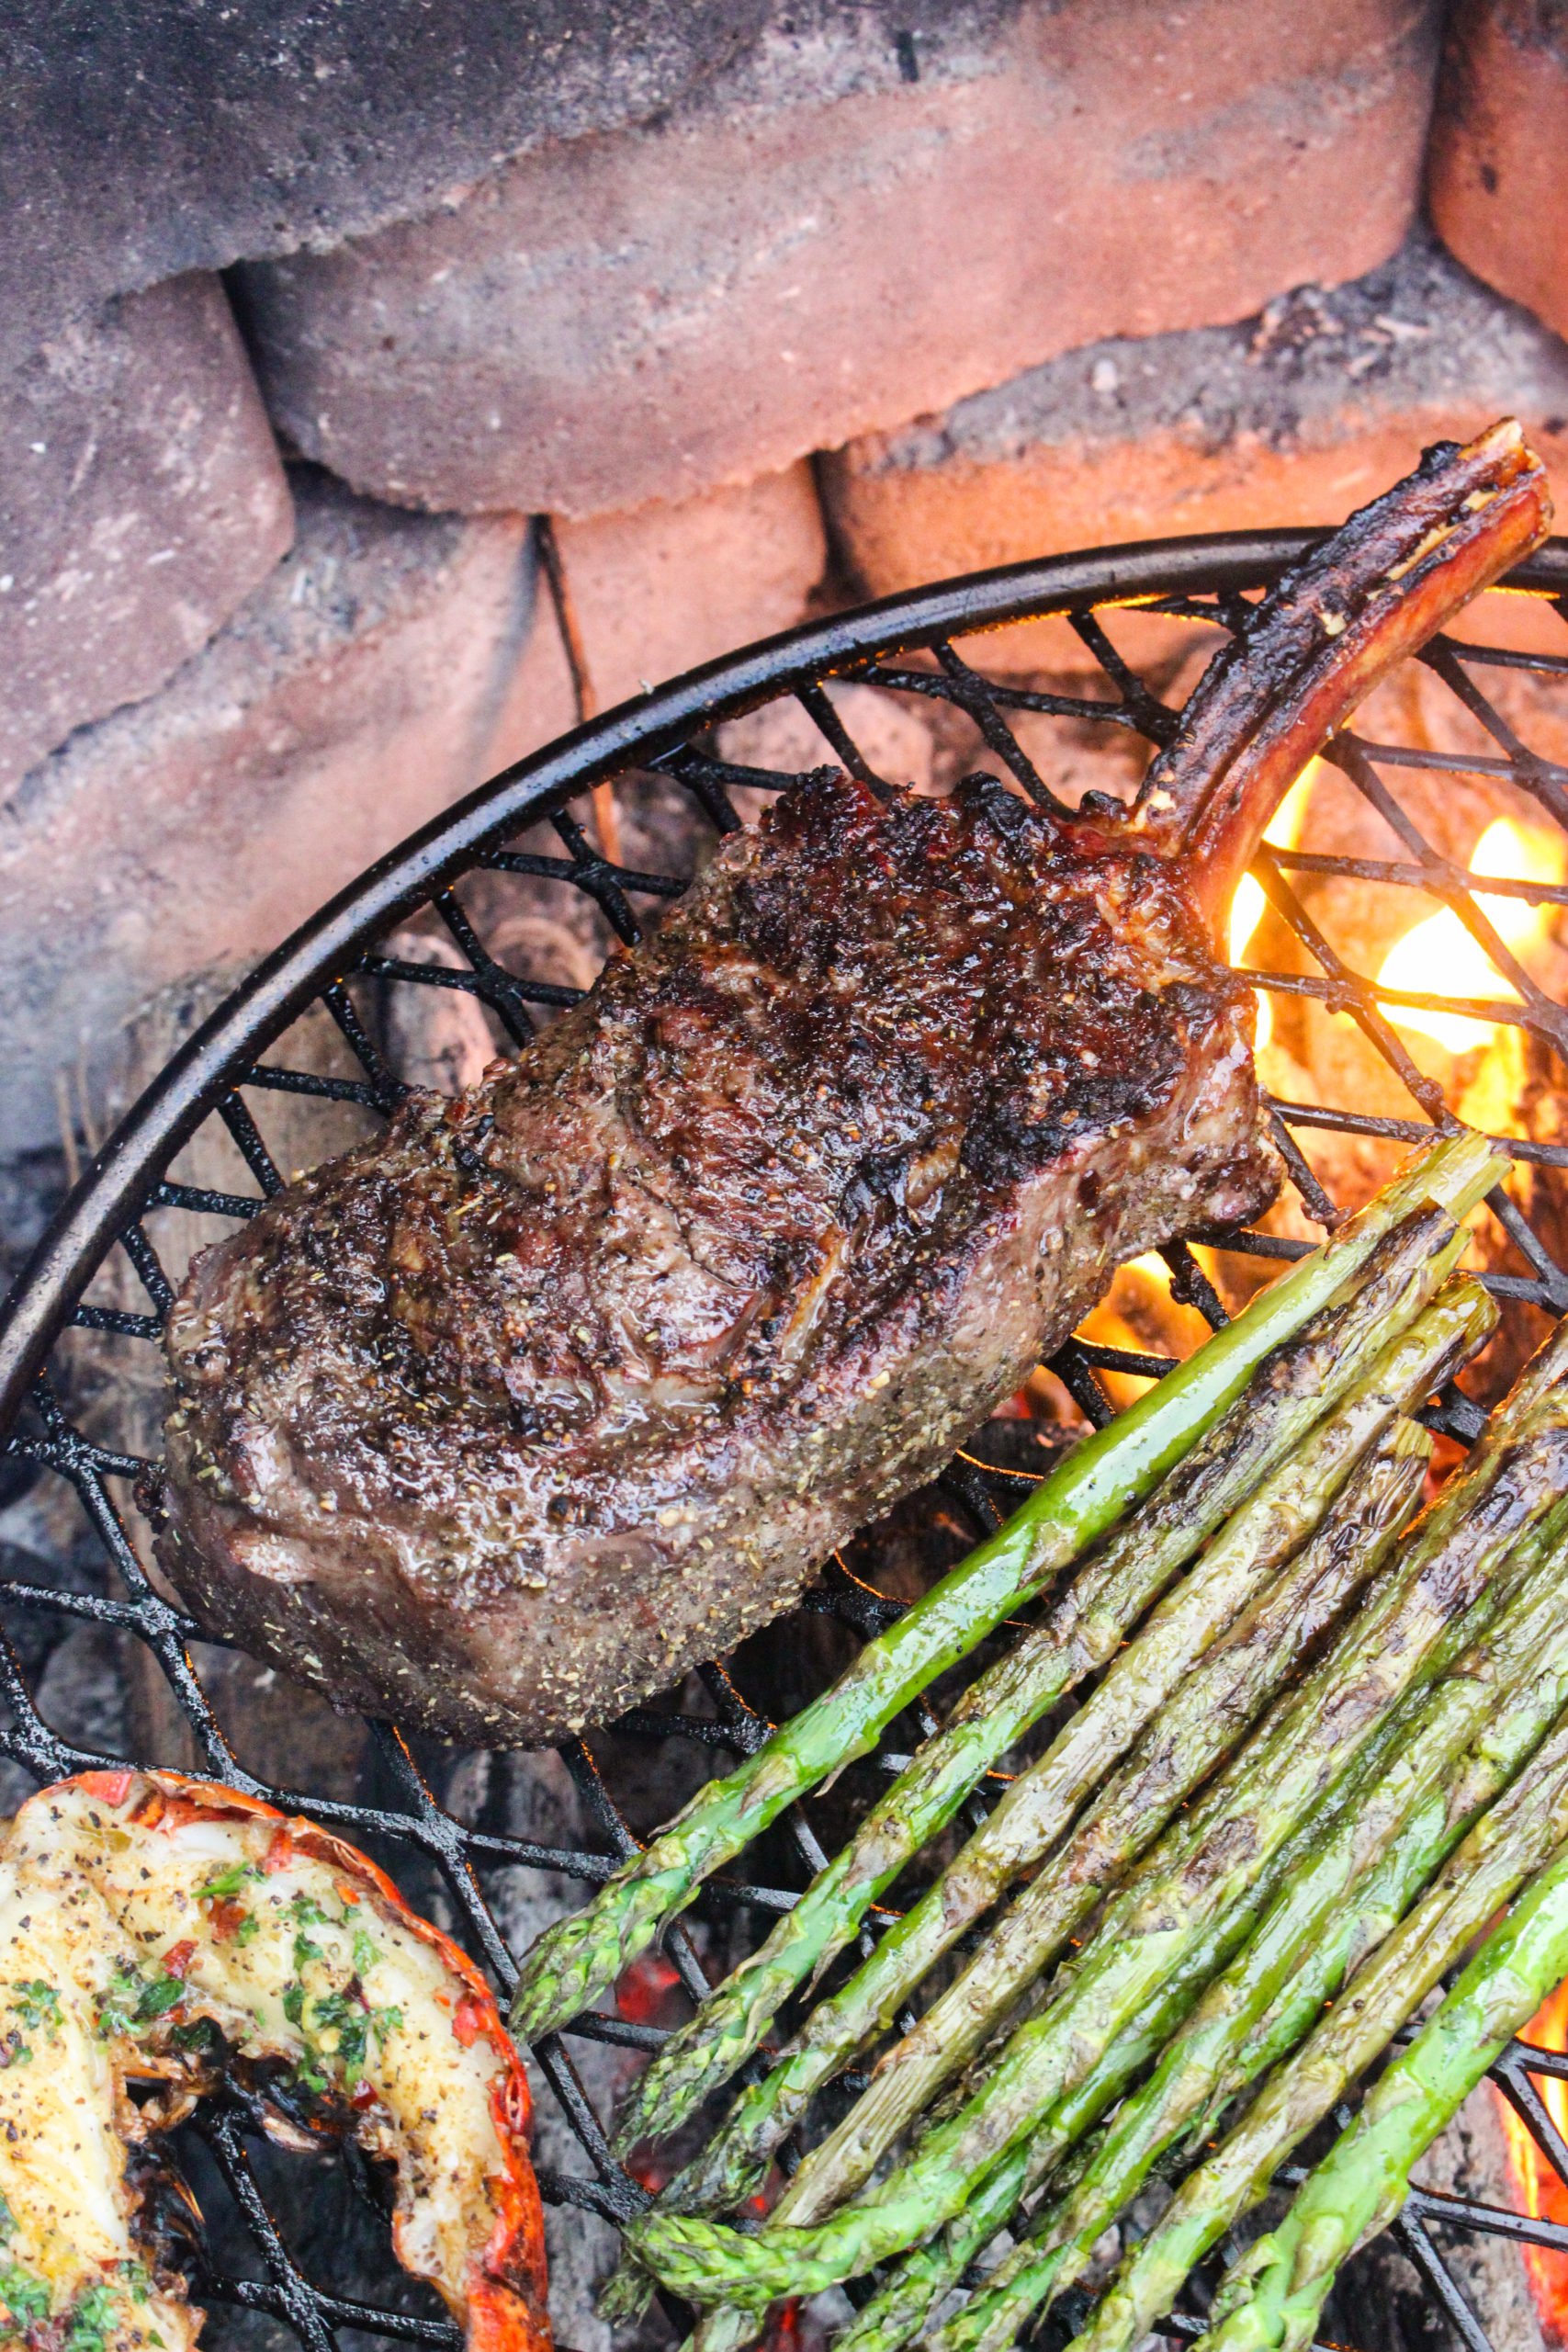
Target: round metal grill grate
409,1808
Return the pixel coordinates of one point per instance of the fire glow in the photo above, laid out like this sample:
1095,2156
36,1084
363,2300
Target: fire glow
1541,2195
1284,830
1439,957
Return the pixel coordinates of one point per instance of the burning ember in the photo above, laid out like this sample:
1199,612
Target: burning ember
1440,957
1138,1313
1541,2194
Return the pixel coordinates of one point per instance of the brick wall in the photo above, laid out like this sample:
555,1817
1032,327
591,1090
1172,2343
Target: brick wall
304,316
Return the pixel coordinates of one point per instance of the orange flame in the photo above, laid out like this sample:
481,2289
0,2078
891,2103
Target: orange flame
1439,957
1541,2194
1284,830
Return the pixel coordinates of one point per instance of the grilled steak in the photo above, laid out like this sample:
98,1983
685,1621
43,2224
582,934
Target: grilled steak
501,1422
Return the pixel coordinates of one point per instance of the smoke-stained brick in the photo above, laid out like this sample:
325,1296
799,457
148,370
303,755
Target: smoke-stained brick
775,264
142,499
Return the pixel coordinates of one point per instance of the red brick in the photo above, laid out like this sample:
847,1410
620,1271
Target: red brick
1293,418
390,663
357,692
141,501
649,312
655,592
143,140
1498,171
664,587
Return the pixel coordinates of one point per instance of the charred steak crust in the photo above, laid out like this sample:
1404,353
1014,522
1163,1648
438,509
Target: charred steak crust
501,1422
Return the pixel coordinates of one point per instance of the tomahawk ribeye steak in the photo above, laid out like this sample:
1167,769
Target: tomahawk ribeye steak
499,1423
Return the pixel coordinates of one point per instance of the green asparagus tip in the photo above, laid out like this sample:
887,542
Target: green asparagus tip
1457,1174
707,2263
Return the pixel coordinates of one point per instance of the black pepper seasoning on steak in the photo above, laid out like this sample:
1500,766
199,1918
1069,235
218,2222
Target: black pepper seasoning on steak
499,1424
507,1418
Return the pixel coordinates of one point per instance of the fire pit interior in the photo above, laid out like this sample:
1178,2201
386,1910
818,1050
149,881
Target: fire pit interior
1406,927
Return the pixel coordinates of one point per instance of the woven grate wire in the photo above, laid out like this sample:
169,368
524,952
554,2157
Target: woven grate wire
407,1815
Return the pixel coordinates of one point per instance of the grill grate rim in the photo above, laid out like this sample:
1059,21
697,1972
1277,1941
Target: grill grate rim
902,648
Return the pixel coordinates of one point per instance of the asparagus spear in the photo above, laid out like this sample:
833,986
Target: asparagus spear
1338,1355
1261,1534
576,1958
1205,1872
1273,2296
1513,1839
1327,1916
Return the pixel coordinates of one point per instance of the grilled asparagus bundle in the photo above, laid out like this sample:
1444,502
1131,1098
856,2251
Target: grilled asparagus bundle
1205,1876
1314,1752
